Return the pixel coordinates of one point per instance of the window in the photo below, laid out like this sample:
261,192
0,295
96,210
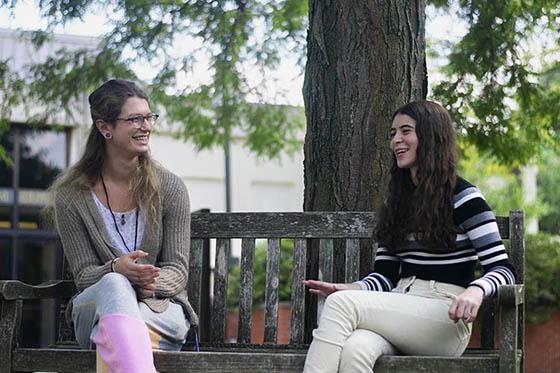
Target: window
29,250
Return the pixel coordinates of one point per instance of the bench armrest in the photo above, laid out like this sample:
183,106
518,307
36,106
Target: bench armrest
511,295
17,290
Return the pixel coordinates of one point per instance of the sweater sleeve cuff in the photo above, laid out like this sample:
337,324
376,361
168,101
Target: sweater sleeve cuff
362,284
484,286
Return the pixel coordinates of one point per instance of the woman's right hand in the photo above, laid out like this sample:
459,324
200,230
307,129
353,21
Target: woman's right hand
141,275
327,288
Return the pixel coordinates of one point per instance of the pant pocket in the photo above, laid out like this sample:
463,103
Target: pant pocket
441,293
404,285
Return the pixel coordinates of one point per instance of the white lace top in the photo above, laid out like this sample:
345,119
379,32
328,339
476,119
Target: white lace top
126,222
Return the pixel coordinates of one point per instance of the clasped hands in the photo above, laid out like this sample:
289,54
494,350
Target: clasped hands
142,276
464,306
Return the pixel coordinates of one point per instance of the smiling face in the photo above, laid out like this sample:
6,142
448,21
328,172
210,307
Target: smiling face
133,141
404,142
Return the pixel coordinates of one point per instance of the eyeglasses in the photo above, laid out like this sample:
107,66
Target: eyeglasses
137,121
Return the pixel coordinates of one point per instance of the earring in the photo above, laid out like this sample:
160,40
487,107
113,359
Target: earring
108,135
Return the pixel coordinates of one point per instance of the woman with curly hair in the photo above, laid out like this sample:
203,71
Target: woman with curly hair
124,223
423,296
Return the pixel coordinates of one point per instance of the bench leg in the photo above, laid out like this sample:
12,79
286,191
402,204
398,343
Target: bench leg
10,320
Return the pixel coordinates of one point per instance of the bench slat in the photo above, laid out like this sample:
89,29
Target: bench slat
298,291
27,360
218,321
432,364
195,274
271,292
352,261
246,290
293,225
517,243
14,289
326,250
283,225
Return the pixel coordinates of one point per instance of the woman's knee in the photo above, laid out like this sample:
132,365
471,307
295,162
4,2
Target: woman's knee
339,299
344,303
115,283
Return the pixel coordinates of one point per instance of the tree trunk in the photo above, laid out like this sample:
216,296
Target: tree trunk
364,60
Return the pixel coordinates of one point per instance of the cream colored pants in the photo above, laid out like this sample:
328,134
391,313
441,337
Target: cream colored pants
357,327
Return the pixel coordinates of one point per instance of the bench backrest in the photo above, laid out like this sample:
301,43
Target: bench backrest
319,237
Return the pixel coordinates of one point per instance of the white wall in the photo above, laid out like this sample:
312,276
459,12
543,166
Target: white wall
256,185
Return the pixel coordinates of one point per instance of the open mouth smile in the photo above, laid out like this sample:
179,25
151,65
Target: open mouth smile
400,152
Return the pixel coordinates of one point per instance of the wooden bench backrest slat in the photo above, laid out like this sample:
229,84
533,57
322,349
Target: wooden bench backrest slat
517,245
246,290
219,301
326,251
294,225
517,253
195,274
352,271
283,225
298,291
271,290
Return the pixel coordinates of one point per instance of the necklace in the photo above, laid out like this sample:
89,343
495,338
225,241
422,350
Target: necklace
122,219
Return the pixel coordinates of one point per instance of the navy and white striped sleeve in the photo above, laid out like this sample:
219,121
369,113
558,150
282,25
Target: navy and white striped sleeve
479,223
385,274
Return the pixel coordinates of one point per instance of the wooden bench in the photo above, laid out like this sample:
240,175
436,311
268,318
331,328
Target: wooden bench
318,237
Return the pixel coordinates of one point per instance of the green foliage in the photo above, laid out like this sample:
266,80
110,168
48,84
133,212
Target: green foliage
259,275
232,34
548,181
542,271
500,184
492,90
504,105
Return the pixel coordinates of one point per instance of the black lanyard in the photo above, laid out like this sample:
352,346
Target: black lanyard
115,219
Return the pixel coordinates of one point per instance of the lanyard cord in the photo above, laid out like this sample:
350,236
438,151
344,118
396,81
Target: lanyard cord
115,220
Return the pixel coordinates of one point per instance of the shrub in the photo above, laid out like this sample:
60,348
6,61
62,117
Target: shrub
542,275
259,275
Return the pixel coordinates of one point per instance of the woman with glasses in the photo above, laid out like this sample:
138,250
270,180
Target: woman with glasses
124,222
423,295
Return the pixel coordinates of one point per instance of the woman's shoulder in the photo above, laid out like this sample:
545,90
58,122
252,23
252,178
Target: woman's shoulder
66,193
169,182
463,187
468,196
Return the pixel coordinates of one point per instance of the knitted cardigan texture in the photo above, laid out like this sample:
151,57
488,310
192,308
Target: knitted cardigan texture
89,250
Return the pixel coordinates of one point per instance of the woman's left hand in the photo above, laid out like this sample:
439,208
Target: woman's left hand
465,306
147,291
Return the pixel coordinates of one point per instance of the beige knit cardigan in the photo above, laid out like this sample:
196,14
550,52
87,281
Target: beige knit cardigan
89,250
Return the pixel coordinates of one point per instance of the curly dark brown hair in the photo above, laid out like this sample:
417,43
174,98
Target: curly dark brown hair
424,209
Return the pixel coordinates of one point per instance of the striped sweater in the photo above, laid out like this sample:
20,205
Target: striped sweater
478,238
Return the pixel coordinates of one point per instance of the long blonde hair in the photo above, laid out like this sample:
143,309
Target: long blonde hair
106,103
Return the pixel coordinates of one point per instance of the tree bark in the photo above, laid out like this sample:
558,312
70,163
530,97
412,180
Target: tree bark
365,58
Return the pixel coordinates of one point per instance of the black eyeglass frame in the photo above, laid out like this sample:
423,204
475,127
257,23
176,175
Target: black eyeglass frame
138,120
